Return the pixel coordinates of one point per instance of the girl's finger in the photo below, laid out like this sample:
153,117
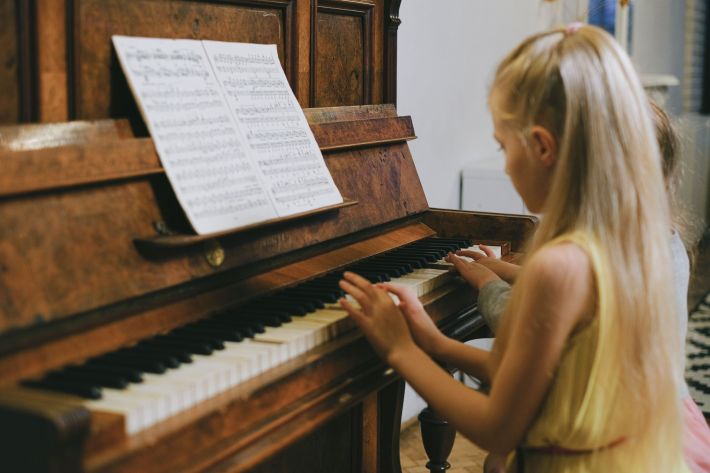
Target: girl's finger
356,314
488,251
471,254
354,291
356,280
395,289
458,263
452,258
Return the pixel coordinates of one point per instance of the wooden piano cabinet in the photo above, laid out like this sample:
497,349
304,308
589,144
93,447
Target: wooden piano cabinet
57,61
15,72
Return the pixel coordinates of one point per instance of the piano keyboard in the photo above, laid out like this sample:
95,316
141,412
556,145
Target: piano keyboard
162,376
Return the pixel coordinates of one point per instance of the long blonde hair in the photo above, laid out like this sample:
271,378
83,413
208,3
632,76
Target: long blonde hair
607,184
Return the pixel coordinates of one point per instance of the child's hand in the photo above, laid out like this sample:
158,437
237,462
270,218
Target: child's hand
506,271
474,273
423,329
379,319
484,255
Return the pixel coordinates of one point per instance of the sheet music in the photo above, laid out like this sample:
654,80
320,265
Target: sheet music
274,126
216,181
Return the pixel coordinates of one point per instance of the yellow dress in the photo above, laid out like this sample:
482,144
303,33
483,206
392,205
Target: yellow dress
572,417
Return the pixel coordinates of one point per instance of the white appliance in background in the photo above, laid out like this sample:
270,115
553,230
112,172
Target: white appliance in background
485,187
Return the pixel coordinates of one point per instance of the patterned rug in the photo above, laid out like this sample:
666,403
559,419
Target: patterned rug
697,348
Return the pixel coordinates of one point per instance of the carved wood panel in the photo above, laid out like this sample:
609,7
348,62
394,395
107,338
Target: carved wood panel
9,60
346,63
96,69
57,61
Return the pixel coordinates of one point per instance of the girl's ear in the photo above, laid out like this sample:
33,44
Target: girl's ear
544,145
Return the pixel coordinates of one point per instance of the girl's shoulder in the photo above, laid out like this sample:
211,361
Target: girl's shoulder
560,260
561,274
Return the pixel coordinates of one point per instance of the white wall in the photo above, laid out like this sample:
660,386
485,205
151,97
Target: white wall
448,51
658,42
447,54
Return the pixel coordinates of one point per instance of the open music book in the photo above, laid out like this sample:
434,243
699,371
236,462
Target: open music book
230,134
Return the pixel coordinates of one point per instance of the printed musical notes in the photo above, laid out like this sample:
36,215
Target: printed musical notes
274,126
232,138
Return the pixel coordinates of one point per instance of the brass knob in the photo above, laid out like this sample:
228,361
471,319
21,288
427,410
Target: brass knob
214,253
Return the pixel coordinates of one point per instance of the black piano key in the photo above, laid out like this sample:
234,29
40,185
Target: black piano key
145,365
322,285
99,379
171,357
214,342
374,277
280,309
415,261
390,269
131,376
272,307
223,334
81,389
138,359
233,315
308,302
287,301
248,328
321,295
419,251
430,257
409,264
177,351
169,360
224,331
198,348
325,295
405,267
264,318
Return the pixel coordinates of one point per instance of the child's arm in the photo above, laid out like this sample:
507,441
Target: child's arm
429,338
508,272
493,291
556,296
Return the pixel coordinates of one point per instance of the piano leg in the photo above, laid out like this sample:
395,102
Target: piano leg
390,420
438,438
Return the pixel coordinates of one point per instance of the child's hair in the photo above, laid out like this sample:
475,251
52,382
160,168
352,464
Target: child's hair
607,183
669,145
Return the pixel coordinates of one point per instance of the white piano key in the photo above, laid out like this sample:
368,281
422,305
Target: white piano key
135,413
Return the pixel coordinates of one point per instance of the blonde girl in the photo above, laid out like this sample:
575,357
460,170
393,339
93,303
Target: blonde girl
584,368
493,297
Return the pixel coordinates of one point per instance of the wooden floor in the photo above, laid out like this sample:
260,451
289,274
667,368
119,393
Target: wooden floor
467,457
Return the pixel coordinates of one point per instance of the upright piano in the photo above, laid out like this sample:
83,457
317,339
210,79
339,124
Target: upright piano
130,344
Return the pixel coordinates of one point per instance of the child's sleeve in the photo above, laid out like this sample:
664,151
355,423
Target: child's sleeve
492,299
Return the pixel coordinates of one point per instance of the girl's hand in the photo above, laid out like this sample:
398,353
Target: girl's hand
506,271
379,319
425,332
474,273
